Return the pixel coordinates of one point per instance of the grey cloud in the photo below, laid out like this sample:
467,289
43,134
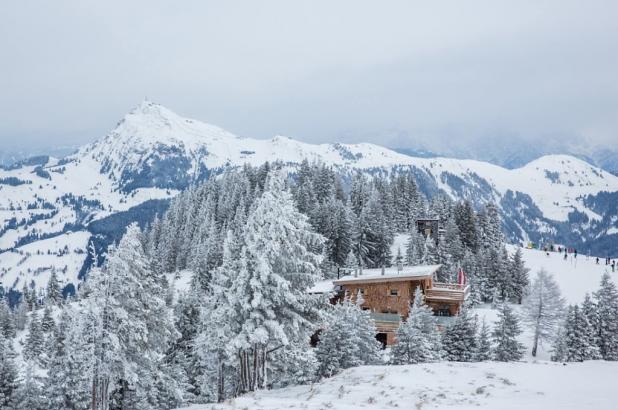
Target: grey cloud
397,73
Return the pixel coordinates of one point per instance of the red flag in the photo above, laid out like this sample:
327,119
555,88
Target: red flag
461,277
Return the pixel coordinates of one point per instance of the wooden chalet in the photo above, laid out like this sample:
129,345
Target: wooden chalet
388,292
429,227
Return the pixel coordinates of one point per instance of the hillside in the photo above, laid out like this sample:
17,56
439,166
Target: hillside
488,385
154,153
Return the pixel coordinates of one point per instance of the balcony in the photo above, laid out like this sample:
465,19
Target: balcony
447,292
386,322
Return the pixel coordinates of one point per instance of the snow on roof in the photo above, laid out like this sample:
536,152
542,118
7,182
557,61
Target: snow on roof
323,286
390,274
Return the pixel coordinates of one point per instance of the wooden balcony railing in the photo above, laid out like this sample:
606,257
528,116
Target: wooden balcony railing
447,291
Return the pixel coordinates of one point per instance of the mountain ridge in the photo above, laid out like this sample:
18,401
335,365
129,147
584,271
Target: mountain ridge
153,153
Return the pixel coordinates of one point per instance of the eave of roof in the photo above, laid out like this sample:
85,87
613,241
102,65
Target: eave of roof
410,274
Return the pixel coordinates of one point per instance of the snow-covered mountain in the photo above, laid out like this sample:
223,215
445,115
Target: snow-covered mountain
50,209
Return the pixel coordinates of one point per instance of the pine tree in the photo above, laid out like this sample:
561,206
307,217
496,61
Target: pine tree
399,257
9,378
491,226
590,311
417,339
415,249
279,261
459,341
506,346
53,292
543,308
47,322
466,222
483,352
7,324
294,364
430,254
576,337
351,262
35,343
130,321
69,381
29,395
559,347
519,275
348,340
607,306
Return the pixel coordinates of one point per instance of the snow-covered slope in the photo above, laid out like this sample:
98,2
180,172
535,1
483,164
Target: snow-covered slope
153,153
447,385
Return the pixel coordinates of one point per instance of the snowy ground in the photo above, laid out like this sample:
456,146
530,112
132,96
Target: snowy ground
498,386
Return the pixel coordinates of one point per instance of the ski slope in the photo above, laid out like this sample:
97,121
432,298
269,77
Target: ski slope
447,385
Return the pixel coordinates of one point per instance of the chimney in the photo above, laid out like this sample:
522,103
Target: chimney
382,270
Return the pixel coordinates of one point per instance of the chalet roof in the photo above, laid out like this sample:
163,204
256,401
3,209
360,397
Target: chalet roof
390,275
323,286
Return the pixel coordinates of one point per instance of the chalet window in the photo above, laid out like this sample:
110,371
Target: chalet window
365,308
394,292
361,290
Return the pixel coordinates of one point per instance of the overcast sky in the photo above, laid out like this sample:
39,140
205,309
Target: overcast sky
382,71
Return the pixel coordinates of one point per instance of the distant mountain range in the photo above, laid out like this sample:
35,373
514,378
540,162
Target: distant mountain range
51,209
516,154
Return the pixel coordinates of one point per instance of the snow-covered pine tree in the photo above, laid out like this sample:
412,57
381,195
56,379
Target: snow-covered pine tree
69,379
334,222
465,219
9,377
589,310
53,294
417,339
543,308
351,262
453,245
363,243
35,341
293,364
519,276
381,231
415,248
506,346
491,227
20,314
459,340
577,337
347,340
7,324
483,351
29,395
559,347
133,325
475,277
430,253
47,322
268,294
399,257
607,307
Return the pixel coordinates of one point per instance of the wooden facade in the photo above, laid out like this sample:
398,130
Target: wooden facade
388,295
